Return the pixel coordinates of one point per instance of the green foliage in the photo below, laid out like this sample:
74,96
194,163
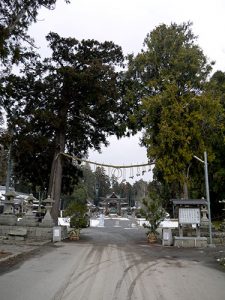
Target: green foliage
57,104
139,190
78,195
89,181
16,17
3,165
179,119
222,261
185,126
216,88
153,212
78,221
97,183
102,183
5,140
77,212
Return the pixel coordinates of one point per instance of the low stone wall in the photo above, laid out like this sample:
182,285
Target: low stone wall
34,233
190,242
218,237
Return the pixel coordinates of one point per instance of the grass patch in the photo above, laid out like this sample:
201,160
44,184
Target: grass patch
221,261
217,224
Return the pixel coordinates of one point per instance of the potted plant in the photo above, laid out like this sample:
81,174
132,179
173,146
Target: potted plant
78,219
74,233
154,213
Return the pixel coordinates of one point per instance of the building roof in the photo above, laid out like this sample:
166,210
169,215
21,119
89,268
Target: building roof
189,201
18,198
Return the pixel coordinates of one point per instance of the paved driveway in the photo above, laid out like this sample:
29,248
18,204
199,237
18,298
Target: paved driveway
116,262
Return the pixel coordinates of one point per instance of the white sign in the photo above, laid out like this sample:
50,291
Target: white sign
166,236
101,220
56,232
64,221
189,216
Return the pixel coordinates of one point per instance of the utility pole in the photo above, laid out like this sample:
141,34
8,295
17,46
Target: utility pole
208,196
9,169
207,193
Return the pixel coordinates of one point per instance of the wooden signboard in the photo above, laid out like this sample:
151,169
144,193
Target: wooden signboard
189,216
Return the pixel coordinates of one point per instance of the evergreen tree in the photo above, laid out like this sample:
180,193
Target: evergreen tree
178,117
89,181
102,183
69,102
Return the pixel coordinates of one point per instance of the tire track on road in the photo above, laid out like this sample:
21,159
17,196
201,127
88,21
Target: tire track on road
60,293
131,257
134,282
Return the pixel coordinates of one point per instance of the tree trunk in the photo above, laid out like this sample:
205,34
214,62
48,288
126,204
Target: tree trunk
185,185
55,181
185,190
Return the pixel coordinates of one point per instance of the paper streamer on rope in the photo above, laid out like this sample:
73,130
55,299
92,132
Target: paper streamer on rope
143,170
124,174
109,171
131,173
138,171
118,171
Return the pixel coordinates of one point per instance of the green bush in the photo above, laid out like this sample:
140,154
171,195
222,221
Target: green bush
77,221
78,215
153,212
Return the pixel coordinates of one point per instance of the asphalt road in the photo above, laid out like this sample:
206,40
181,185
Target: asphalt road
115,262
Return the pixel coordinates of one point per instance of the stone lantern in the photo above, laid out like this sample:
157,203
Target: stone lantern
8,217
47,220
204,219
29,219
29,206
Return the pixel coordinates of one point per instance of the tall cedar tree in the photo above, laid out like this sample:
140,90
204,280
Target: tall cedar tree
166,84
70,102
15,18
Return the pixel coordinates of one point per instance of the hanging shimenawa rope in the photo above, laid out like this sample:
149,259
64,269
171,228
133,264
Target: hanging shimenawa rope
107,165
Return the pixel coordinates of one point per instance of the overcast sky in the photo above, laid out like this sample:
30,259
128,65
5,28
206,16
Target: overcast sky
126,23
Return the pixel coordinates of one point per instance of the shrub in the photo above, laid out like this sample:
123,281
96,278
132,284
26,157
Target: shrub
78,215
153,212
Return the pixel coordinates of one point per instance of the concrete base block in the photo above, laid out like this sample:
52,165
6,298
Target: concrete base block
31,233
28,221
17,234
16,238
190,242
8,219
47,223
